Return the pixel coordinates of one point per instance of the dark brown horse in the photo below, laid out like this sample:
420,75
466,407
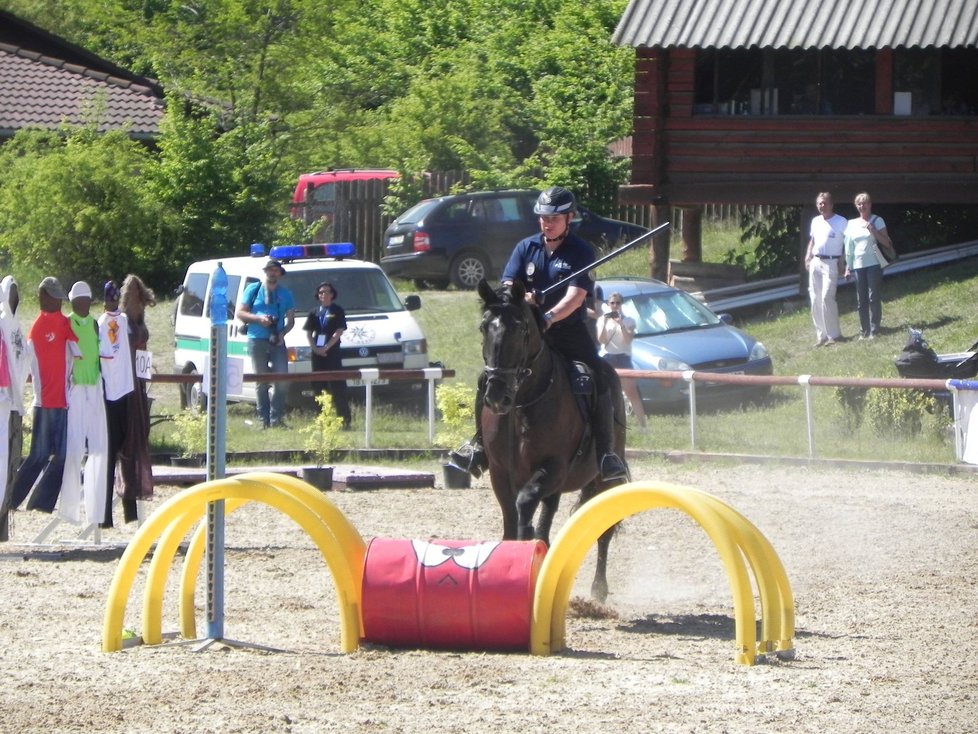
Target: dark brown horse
536,437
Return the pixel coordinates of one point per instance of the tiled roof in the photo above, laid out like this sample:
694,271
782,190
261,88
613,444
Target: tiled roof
807,24
42,92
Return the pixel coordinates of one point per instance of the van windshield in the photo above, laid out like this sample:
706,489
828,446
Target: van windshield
359,290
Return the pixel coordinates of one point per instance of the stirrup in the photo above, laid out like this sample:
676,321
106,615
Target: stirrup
470,457
613,469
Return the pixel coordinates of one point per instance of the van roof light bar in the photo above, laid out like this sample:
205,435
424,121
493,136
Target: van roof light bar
337,250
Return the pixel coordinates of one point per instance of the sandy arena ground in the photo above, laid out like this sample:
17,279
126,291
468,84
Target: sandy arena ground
883,565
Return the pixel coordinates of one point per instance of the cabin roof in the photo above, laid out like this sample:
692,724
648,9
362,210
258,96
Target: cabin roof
46,82
798,24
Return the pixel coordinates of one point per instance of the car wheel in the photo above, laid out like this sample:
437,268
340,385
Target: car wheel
192,395
468,269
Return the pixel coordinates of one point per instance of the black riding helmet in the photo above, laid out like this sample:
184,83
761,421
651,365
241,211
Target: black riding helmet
555,200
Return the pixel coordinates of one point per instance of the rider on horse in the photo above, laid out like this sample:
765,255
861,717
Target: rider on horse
540,261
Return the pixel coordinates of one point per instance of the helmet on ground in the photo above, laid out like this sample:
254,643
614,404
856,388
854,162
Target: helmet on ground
555,200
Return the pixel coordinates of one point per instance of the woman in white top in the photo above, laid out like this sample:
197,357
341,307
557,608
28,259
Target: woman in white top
864,236
615,334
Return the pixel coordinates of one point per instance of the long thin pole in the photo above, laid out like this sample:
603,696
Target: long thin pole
606,258
216,456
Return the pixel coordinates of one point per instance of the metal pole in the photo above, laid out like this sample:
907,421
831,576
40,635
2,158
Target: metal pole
431,374
369,376
806,382
216,456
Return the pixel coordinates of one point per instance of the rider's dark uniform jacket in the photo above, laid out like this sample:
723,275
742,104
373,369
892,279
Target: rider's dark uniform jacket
538,270
531,264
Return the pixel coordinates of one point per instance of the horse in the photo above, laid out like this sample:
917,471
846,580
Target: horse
536,436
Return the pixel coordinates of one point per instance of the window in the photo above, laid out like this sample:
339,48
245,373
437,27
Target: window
939,81
192,298
509,210
785,82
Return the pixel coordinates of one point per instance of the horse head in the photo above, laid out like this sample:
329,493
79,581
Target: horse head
512,339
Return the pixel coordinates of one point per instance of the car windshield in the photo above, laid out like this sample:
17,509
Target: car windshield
659,313
417,212
359,290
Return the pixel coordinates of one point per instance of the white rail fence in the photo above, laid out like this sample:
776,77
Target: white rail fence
963,392
369,377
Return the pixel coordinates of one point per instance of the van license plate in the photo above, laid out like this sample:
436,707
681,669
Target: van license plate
361,383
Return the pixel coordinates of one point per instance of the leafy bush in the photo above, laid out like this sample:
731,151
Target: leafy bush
456,403
901,412
322,435
852,400
777,248
190,432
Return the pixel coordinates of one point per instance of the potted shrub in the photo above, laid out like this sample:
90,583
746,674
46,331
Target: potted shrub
190,434
456,404
321,439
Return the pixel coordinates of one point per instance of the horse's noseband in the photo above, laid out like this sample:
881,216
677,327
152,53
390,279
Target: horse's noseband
514,377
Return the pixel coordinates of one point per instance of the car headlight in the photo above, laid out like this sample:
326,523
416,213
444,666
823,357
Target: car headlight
414,346
668,364
758,352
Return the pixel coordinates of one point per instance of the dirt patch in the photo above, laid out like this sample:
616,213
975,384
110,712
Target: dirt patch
883,566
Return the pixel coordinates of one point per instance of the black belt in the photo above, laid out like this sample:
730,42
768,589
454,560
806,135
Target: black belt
828,257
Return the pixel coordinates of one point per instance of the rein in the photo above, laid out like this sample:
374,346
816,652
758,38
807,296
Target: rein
522,372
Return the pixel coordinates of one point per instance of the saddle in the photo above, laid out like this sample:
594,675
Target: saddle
581,379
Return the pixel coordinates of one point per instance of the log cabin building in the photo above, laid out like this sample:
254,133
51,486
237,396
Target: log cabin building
772,101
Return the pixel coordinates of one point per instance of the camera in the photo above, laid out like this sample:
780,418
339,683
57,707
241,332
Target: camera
615,315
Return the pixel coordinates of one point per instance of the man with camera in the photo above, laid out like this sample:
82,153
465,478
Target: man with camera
615,333
268,309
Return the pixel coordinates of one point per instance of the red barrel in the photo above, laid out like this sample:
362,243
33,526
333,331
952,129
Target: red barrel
457,594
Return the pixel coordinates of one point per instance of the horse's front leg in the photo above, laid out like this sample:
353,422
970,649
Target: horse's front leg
526,504
550,504
505,497
539,487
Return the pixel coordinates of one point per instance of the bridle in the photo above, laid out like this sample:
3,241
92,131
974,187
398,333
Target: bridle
514,377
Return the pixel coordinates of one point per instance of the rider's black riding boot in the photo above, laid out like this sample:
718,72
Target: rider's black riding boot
611,466
471,456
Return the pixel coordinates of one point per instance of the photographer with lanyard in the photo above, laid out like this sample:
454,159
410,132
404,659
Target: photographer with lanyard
324,327
268,309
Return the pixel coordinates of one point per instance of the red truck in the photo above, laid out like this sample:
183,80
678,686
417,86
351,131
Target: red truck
316,193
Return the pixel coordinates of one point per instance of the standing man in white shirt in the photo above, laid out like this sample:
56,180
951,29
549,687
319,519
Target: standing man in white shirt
824,262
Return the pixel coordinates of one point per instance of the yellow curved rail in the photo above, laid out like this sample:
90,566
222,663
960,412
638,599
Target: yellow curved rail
346,534
340,544
732,535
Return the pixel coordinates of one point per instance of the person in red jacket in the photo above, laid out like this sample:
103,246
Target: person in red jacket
53,347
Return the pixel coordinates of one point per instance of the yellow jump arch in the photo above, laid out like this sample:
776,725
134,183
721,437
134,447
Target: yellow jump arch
734,537
339,542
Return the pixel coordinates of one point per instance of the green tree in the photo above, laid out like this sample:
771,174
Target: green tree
76,205
221,188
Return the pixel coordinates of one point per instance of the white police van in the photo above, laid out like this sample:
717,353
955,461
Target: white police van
381,332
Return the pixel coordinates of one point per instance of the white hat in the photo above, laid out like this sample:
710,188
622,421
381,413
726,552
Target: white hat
79,290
